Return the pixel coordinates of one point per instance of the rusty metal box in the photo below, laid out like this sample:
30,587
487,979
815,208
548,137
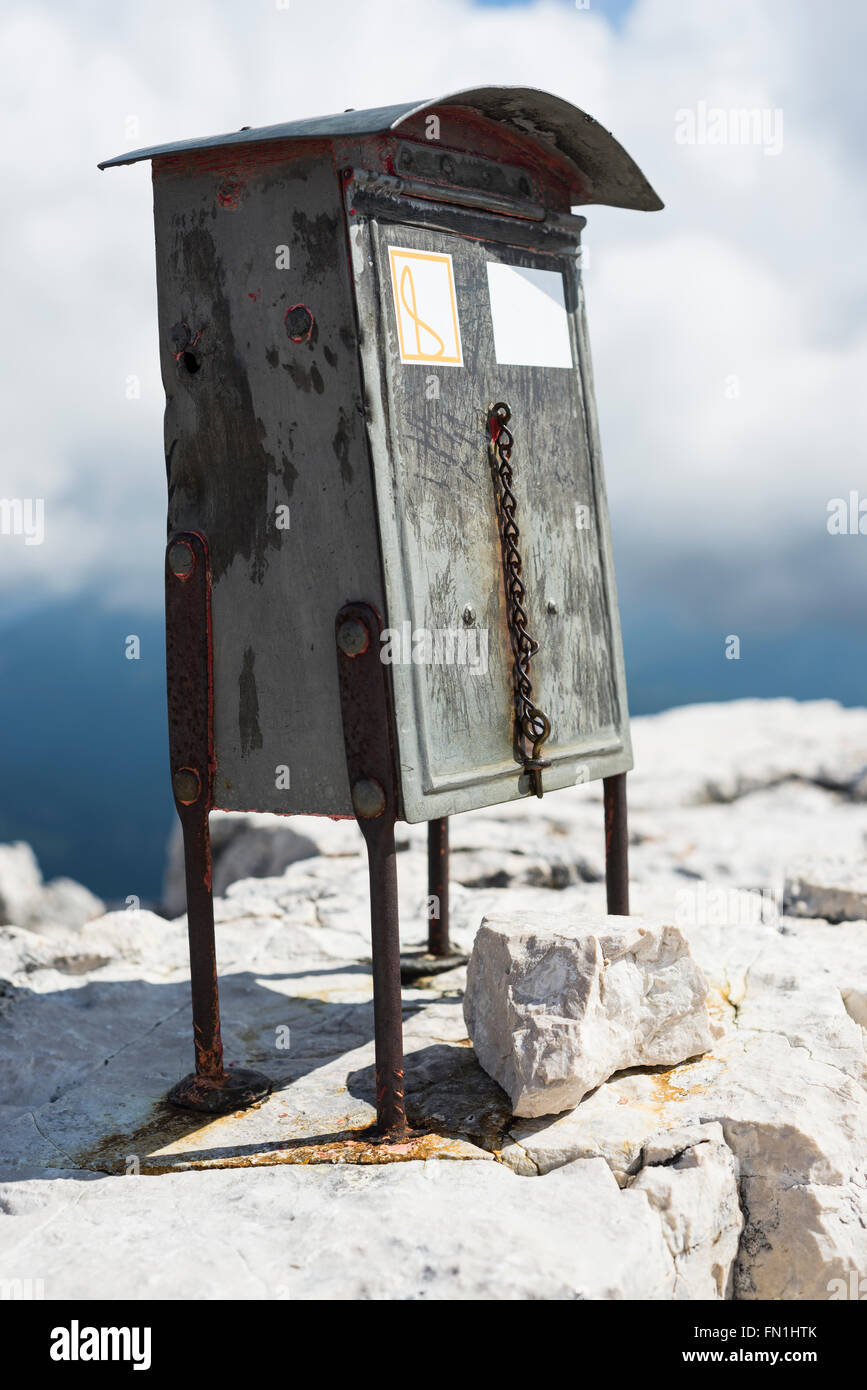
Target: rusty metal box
340,303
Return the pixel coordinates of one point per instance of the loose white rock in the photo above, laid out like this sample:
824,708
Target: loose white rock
65,903
20,884
554,1006
833,889
25,901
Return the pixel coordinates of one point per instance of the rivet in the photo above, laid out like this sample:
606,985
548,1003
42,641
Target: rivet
551,606
469,616
186,785
353,637
368,798
182,559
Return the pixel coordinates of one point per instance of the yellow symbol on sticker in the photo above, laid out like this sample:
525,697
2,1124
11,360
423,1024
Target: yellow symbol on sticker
407,295
426,307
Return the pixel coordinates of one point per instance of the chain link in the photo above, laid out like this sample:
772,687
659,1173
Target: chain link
534,727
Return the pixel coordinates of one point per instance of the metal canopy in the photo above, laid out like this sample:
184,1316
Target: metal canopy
607,174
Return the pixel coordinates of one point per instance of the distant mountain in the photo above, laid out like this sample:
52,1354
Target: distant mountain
84,751
83,745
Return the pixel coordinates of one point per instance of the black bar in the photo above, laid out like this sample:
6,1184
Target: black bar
387,1000
364,703
616,845
203,951
438,886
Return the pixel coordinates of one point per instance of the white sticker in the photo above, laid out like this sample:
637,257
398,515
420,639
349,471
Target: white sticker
528,312
426,306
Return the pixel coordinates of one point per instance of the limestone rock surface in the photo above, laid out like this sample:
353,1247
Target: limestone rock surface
737,1174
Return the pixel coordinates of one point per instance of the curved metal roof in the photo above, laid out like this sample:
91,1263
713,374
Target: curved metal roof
607,173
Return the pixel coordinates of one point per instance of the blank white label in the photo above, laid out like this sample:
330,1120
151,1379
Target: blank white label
528,311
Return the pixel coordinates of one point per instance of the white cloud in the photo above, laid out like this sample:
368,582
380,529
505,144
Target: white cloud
756,269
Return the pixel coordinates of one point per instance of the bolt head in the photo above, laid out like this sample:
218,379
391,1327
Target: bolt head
186,785
368,798
182,559
469,615
353,637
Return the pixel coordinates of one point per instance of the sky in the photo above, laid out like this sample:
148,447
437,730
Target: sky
729,331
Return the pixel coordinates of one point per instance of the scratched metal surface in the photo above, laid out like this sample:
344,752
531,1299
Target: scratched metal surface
267,422
441,544
605,172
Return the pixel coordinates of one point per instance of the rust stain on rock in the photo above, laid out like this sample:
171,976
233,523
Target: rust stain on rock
171,1141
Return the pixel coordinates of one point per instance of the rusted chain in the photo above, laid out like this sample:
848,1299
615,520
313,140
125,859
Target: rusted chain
534,726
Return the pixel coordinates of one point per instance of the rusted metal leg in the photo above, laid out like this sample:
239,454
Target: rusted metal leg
440,955
438,887
188,670
370,765
616,845
207,1040
387,1002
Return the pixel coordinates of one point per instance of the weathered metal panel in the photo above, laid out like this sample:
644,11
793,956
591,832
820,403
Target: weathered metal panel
606,173
264,422
438,523
262,415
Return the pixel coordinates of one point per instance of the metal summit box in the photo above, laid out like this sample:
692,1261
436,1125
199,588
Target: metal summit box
380,424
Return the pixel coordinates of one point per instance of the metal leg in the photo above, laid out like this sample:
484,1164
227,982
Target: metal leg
440,955
616,845
387,1001
207,1038
369,763
438,887
188,670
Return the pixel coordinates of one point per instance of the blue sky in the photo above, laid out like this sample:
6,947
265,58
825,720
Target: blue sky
614,11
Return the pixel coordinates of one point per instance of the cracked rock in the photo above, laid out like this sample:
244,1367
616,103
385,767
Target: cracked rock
690,1179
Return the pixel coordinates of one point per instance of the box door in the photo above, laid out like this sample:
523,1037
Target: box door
451,324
